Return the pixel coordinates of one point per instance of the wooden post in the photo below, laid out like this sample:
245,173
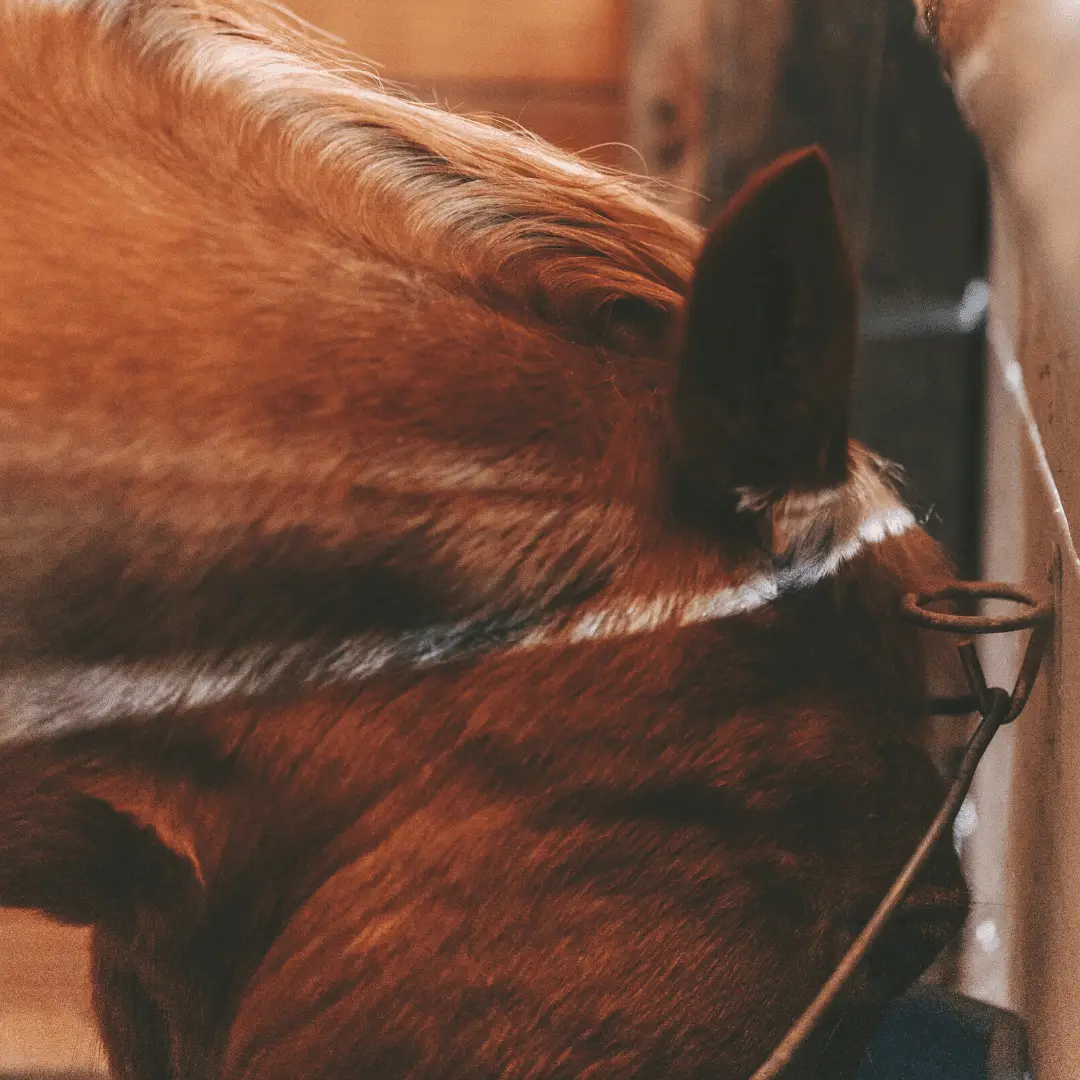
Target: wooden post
666,70
1015,70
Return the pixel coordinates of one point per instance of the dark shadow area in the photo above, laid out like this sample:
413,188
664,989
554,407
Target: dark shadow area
857,79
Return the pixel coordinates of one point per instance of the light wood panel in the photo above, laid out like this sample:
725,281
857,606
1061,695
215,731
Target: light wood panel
580,41
46,1021
555,68
666,96
591,120
1028,937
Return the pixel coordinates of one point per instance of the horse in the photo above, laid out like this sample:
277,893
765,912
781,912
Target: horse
447,627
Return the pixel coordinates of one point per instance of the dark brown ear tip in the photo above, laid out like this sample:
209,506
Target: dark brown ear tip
801,182
806,169
812,157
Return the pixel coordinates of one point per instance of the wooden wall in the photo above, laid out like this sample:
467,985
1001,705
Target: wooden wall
1016,74
1023,849
47,1025
557,68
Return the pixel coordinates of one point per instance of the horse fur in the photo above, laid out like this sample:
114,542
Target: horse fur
445,628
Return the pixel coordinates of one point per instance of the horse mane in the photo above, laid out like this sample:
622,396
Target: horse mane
312,376
578,245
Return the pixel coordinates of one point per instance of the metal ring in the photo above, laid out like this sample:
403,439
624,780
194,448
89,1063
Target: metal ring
914,607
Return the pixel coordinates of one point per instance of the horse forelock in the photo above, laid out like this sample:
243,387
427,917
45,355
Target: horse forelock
209,181
480,201
493,449
252,293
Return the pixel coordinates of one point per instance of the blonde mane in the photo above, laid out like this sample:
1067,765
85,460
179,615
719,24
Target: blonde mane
290,354
497,206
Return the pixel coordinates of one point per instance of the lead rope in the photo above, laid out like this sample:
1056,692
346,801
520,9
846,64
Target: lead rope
995,707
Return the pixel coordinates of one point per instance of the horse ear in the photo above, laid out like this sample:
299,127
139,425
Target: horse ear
768,346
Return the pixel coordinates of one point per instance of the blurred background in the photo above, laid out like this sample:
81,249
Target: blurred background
694,93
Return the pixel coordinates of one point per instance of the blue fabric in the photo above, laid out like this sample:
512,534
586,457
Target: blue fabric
925,1037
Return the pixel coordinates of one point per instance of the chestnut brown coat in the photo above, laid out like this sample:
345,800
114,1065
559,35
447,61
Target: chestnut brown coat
446,630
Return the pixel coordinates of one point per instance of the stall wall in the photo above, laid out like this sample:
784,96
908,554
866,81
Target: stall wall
1023,947
558,69
1014,66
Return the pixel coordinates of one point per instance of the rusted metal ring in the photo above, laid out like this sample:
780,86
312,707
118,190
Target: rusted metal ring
914,607
995,708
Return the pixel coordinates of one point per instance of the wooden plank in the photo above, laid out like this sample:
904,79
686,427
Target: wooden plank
1033,929
46,1020
593,121
665,97
581,41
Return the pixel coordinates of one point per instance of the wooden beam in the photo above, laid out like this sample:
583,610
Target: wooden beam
665,97
580,41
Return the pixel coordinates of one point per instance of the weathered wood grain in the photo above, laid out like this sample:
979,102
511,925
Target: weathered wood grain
577,41
665,97
46,1021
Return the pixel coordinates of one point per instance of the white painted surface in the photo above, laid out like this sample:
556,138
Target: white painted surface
1023,855
1016,75
984,974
